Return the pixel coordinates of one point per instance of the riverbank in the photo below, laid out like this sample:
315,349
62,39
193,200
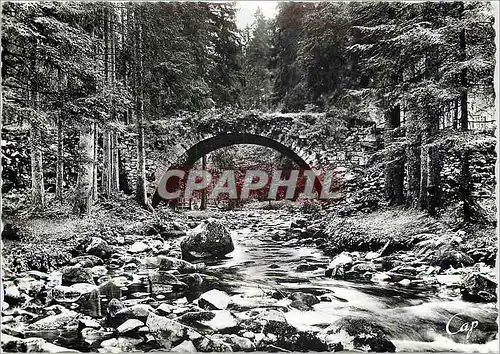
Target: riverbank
117,282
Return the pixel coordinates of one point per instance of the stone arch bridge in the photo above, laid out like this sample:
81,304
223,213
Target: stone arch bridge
309,139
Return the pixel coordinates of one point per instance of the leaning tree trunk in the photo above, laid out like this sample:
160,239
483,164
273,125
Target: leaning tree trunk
140,192
85,180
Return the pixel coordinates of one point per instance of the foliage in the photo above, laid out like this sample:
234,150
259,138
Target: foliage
257,54
192,56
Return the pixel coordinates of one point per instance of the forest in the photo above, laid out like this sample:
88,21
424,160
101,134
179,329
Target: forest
402,96
81,75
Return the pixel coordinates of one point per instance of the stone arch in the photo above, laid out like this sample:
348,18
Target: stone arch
206,146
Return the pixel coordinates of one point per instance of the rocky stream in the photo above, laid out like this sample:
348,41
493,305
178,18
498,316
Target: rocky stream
245,281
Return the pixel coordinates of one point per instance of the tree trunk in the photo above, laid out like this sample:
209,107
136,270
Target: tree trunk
455,115
433,191
203,192
430,166
37,181
115,168
84,185
465,176
106,161
113,138
95,191
60,160
394,166
413,139
60,142
140,192
464,121
105,178
424,165
465,186
394,176
106,42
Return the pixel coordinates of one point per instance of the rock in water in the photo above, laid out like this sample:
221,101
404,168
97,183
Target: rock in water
86,261
223,321
120,344
114,307
89,301
478,288
99,271
165,330
193,281
68,319
303,301
163,282
170,263
452,258
275,322
358,333
98,247
139,311
210,239
192,317
76,274
94,337
212,344
185,347
239,344
303,341
130,325
139,247
214,300
339,265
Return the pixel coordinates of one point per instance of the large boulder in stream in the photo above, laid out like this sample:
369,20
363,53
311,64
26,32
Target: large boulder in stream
210,239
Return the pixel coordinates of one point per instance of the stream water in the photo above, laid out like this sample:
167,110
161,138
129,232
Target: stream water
264,264
415,319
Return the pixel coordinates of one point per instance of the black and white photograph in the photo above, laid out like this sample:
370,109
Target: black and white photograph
249,176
